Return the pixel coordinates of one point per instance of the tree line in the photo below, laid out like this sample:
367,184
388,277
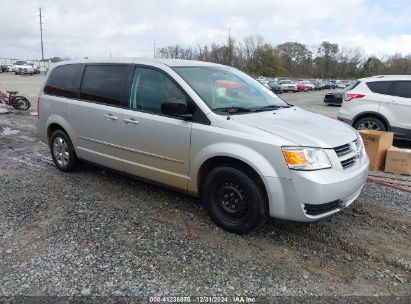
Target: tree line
293,59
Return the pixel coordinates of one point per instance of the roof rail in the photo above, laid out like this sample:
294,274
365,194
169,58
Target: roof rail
388,76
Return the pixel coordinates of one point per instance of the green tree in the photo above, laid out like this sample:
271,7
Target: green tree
296,58
326,59
373,66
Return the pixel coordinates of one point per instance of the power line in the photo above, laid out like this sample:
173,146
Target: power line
41,35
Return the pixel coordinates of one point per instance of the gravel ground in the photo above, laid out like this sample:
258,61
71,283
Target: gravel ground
94,232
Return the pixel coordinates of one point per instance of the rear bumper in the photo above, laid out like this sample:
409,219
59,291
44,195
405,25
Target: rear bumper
325,191
333,100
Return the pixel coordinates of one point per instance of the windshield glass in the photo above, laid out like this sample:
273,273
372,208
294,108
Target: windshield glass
21,62
286,82
225,88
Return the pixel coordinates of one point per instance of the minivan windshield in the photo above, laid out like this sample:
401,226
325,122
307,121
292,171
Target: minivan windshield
229,90
21,62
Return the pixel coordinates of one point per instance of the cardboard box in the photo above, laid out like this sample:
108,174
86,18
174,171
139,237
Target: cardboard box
376,145
398,161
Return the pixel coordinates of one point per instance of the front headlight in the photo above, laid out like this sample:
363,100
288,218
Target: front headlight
300,158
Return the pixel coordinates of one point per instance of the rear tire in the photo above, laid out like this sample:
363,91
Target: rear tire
234,199
370,123
62,151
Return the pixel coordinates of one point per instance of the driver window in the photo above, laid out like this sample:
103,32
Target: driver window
150,88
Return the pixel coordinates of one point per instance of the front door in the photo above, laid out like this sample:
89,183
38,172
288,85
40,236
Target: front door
156,147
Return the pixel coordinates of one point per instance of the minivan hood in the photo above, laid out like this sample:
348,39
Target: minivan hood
300,126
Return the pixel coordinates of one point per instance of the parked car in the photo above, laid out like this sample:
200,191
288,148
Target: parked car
275,87
288,85
36,69
175,123
308,85
340,85
328,85
23,67
379,103
300,86
317,85
335,98
9,68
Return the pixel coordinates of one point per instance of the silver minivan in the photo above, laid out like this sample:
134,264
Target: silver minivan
205,129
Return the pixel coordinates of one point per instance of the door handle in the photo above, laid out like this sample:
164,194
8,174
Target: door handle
131,121
111,117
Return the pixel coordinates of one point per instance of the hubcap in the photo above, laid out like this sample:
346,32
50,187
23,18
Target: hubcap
231,200
368,125
60,151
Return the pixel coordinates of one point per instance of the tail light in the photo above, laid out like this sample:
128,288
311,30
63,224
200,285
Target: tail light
38,107
351,96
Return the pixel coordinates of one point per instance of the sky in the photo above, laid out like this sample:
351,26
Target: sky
128,28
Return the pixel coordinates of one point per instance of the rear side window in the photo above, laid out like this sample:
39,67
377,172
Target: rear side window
64,81
381,87
106,84
402,89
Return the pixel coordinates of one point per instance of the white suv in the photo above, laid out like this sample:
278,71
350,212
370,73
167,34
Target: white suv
23,67
379,103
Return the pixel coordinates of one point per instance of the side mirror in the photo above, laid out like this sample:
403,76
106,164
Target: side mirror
176,107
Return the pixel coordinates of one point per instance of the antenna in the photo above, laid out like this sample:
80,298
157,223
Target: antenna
228,70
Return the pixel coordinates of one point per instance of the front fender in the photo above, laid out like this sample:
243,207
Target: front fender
246,154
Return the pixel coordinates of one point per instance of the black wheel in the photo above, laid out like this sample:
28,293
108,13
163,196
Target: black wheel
370,123
15,73
234,199
62,151
21,103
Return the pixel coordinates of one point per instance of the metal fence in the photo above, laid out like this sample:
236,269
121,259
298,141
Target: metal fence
44,65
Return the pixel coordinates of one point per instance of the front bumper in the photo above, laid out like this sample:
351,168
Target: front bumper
24,71
289,198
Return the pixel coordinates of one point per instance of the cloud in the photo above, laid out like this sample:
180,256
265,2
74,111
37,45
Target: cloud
96,28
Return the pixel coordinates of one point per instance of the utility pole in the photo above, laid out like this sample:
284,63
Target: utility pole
41,36
154,49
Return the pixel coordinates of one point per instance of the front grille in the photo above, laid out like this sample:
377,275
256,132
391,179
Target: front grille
348,153
348,162
342,150
311,209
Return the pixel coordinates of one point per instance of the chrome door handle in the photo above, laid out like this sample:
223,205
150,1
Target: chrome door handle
111,117
131,121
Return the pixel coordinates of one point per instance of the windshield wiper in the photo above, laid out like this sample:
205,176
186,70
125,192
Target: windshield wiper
271,107
233,110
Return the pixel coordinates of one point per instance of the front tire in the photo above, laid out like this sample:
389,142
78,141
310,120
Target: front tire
370,123
62,151
234,199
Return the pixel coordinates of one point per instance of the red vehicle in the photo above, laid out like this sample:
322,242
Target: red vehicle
301,86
